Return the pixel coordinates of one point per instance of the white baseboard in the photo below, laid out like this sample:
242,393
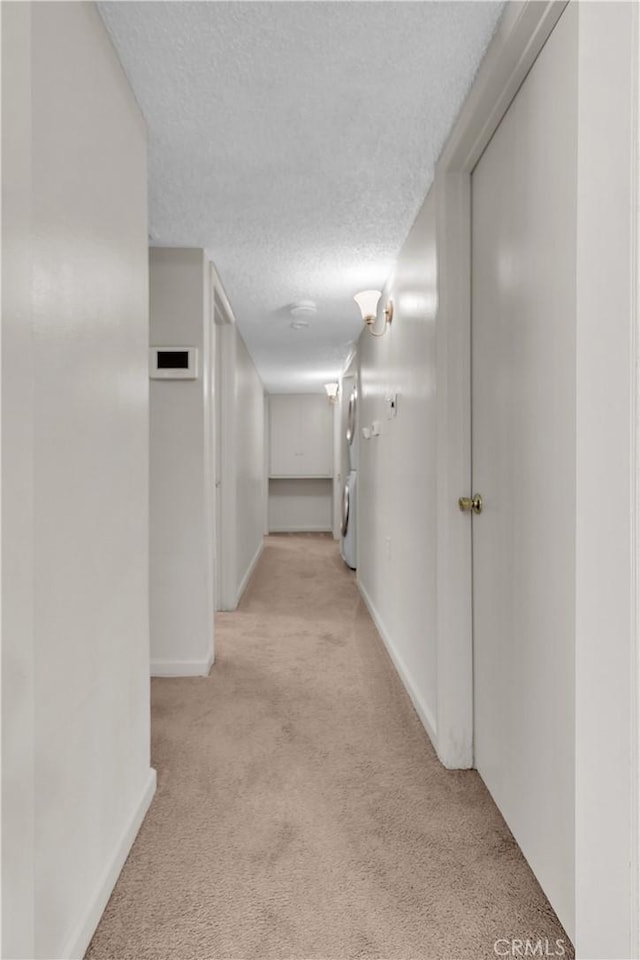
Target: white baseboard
76,946
182,668
323,528
245,580
426,717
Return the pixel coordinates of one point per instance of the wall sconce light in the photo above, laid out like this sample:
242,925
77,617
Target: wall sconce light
368,303
332,391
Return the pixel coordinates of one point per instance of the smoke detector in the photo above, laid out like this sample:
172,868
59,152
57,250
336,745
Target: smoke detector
301,312
303,309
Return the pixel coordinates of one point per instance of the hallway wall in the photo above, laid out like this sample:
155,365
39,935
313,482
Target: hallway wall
76,779
397,469
183,287
181,488
608,477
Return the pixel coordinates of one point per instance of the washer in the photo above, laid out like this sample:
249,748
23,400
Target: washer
348,542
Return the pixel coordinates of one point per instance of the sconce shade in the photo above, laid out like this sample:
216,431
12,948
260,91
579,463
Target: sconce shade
332,390
368,303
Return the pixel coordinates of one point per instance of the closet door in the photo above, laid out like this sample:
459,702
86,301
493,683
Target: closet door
523,396
301,435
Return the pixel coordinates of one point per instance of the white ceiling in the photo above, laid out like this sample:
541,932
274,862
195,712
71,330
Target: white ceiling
296,141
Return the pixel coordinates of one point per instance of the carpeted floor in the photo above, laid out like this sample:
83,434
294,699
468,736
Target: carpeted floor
301,813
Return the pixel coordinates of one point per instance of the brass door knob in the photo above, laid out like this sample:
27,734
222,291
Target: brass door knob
471,504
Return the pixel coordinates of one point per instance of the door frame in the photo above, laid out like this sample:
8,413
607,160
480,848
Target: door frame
522,32
223,338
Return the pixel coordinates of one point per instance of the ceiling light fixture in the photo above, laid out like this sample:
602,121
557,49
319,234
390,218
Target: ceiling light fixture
299,324
368,301
332,391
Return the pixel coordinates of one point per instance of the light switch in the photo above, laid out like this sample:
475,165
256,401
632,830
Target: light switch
376,428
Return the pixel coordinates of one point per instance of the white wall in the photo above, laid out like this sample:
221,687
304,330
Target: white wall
608,485
397,470
250,464
75,775
300,506
17,890
181,486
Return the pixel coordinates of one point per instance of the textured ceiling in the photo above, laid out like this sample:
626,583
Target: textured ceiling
296,141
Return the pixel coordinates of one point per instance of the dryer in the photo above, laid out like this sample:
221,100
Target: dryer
348,544
352,429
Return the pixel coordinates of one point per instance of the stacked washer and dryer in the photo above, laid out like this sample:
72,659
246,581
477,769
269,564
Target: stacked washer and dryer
348,544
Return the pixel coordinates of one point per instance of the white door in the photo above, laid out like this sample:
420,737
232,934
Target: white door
523,394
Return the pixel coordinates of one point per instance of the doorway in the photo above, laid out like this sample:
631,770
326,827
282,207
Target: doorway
223,479
218,419
523,349
605,823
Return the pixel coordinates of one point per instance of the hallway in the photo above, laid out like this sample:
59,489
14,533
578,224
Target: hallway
301,811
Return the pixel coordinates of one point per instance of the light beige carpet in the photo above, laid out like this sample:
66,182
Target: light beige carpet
301,811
